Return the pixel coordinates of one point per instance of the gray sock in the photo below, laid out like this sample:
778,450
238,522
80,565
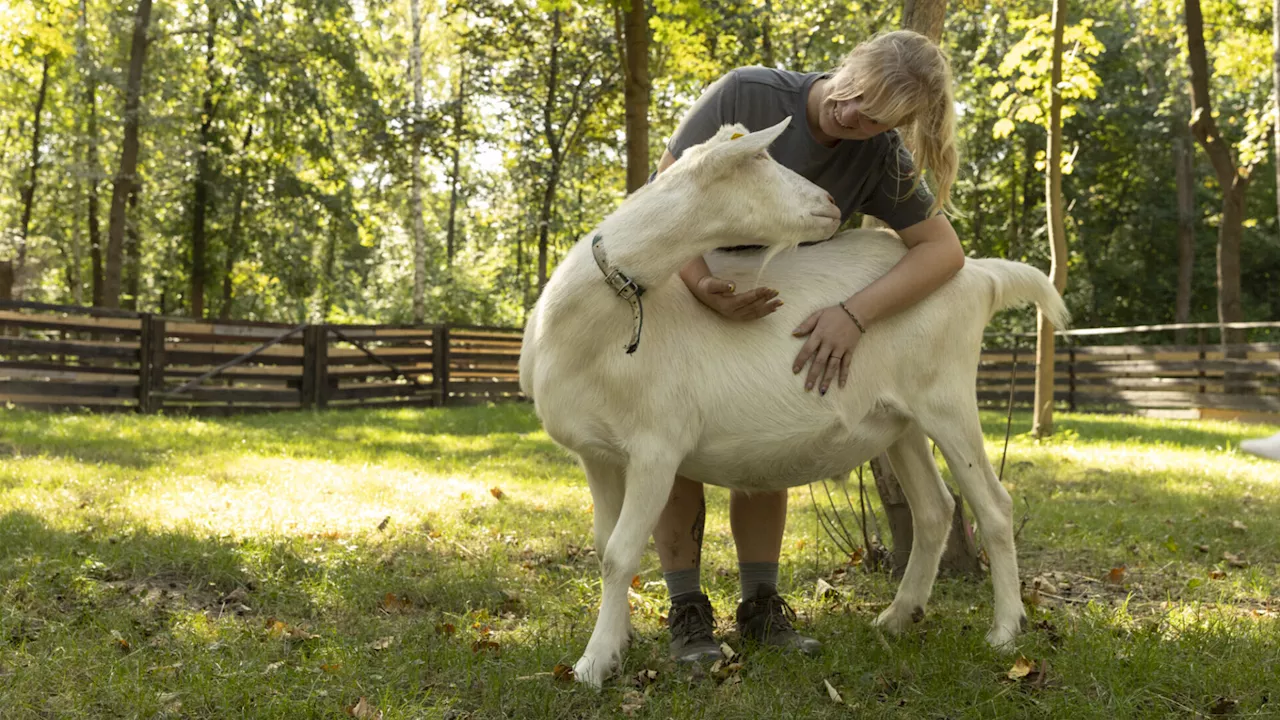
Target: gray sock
753,575
682,583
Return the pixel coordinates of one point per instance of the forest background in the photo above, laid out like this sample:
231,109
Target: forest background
288,160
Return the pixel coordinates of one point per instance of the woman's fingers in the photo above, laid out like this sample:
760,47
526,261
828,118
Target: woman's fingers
844,368
830,373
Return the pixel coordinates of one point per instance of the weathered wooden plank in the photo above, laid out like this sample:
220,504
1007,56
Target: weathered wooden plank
66,376
115,326
379,390
53,369
234,349
198,332
194,359
48,390
205,393
73,348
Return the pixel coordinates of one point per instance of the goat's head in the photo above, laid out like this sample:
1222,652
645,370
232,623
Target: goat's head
744,194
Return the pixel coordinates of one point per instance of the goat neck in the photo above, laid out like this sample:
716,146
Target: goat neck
656,232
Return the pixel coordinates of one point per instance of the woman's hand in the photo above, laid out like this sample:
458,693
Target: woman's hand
832,337
719,295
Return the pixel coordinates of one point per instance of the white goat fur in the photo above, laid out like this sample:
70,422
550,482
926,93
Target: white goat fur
715,400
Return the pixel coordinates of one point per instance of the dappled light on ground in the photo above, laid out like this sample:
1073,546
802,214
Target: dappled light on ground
440,561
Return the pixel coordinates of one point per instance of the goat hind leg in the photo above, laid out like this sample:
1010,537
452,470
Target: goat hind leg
954,426
648,483
605,481
931,509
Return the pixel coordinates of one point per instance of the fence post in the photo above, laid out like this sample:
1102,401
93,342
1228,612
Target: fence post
311,340
322,367
1071,375
440,364
1200,342
151,364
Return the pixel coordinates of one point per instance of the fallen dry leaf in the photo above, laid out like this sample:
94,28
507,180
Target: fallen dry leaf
382,643
1235,561
645,678
1216,574
330,668
272,667
831,693
1237,525
562,673
364,710
724,671
483,645
1116,576
632,702
825,591
497,492
385,522
280,629
445,629
434,534
120,641
1022,667
728,652
855,558
1223,706
635,583
392,603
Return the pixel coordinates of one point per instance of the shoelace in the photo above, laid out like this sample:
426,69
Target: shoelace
691,618
779,612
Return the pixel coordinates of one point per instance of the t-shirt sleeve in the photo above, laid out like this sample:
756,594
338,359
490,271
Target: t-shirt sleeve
716,107
892,200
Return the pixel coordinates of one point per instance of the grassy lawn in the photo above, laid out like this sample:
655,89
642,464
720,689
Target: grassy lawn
437,563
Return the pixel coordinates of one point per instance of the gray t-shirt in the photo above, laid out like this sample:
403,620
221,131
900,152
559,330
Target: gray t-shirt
871,176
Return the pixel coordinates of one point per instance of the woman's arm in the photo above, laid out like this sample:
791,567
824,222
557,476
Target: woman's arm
933,256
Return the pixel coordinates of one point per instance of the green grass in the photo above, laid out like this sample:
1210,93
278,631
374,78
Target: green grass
172,567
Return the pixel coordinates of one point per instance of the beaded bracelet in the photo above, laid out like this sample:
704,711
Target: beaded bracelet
854,318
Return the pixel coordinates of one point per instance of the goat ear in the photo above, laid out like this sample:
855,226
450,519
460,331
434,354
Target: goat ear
756,142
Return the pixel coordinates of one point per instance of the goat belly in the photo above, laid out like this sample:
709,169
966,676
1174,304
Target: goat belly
750,462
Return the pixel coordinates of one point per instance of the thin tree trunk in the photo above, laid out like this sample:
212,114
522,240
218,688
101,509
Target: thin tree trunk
1275,94
92,165
29,189
133,252
553,143
455,178
1042,422
961,557
6,279
234,241
199,242
415,168
125,179
766,34
636,89
1184,179
1233,180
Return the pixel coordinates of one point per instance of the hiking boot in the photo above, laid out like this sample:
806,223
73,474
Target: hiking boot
692,624
767,619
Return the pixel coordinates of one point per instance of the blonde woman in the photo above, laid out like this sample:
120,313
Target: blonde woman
850,134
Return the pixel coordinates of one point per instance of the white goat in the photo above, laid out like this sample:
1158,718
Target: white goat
715,400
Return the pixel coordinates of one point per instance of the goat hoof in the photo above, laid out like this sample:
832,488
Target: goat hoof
589,671
894,621
1001,638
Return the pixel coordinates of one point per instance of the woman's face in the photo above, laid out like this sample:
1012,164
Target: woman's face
846,120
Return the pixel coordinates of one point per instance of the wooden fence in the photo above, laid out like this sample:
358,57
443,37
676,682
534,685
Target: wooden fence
61,356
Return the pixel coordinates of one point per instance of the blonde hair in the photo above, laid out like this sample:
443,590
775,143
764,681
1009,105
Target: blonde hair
905,81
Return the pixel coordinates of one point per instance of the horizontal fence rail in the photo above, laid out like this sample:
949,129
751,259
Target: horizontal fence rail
55,356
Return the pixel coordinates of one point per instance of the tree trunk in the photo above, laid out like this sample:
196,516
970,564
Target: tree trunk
636,89
91,150
553,144
1184,181
455,178
199,266
125,179
1232,180
925,17
766,34
133,253
418,230
6,279
1275,94
961,557
29,189
234,241
1042,422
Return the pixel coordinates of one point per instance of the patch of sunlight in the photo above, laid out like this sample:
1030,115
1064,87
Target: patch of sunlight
1185,462
268,496
193,627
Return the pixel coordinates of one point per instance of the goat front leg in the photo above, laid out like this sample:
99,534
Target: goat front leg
605,481
649,478
931,509
953,423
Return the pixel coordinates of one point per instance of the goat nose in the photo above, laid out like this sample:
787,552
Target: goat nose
831,199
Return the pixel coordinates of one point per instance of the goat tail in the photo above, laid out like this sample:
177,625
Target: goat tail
1014,284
